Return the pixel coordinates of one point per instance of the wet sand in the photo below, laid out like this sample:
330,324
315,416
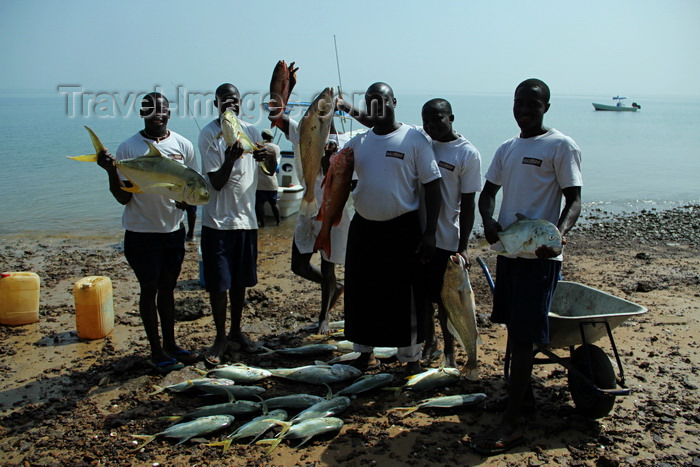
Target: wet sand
67,401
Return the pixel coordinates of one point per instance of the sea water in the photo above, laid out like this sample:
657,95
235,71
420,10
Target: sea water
631,160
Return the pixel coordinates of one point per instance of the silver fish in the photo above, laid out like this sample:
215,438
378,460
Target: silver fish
431,379
324,408
366,383
254,428
382,353
318,374
240,373
304,430
234,391
184,431
445,402
293,401
527,235
157,174
309,350
234,408
458,299
198,383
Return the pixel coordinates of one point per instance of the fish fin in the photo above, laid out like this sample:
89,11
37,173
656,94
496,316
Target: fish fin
323,242
520,216
132,189
272,442
148,439
329,394
171,418
153,151
483,243
264,168
85,158
158,389
267,350
201,372
453,331
303,441
96,143
162,185
225,444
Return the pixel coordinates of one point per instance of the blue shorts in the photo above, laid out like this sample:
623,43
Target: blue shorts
435,273
523,296
266,196
156,258
229,258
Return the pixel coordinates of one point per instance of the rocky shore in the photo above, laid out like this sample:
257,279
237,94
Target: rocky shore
67,401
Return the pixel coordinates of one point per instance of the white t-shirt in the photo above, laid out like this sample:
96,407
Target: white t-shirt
266,182
148,212
533,171
460,166
390,169
232,207
306,229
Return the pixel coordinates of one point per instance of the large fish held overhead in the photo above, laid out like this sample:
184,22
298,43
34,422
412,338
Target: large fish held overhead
281,85
336,189
527,235
313,134
458,300
157,174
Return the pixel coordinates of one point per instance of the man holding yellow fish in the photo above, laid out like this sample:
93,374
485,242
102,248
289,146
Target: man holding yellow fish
229,222
154,242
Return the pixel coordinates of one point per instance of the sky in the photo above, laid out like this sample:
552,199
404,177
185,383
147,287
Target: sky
599,48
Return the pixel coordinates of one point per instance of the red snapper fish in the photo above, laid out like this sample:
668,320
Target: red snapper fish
281,85
336,189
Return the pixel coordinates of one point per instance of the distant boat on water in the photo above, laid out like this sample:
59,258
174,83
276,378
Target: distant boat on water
618,105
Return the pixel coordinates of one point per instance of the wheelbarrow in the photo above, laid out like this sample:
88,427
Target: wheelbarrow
580,315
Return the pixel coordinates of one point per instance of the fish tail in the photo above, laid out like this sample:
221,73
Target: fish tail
225,444
323,242
172,418
148,439
96,143
158,389
132,189
406,410
85,158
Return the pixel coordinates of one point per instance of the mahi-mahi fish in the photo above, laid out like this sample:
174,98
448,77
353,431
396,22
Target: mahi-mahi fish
335,194
458,299
156,174
314,129
527,235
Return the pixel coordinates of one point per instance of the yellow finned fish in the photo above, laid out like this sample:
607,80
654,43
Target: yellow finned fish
232,132
157,174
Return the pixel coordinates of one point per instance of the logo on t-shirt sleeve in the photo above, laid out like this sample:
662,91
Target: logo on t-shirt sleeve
396,154
446,165
532,161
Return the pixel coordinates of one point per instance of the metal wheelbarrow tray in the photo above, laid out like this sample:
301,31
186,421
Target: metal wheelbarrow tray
580,315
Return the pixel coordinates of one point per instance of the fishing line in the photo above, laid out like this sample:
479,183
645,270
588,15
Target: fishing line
340,83
187,104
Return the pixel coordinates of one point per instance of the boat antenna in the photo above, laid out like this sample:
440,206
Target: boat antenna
187,104
340,82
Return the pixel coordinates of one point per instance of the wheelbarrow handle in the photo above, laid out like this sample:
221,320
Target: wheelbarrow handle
486,272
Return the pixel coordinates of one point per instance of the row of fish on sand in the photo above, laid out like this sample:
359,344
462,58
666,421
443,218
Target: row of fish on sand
313,415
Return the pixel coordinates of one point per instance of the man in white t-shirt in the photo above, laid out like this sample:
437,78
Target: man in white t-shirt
154,241
538,170
266,191
307,230
384,289
229,224
460,167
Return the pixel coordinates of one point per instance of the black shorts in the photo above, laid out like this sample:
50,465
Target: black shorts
435,273
265,196
156,258
229,258
523,296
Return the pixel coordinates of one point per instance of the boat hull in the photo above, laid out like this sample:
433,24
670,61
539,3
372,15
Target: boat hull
613,108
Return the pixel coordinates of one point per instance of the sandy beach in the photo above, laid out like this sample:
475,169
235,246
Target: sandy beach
67,401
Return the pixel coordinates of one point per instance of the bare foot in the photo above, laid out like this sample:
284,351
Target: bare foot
246,344
323,327
216,352
339,289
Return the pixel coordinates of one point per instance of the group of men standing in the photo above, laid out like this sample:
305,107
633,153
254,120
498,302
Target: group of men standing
414,194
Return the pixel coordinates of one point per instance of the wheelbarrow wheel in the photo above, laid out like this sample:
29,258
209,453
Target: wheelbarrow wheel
588,401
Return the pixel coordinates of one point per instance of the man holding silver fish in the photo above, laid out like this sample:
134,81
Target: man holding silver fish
384,302
537,170
229,223
154,241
